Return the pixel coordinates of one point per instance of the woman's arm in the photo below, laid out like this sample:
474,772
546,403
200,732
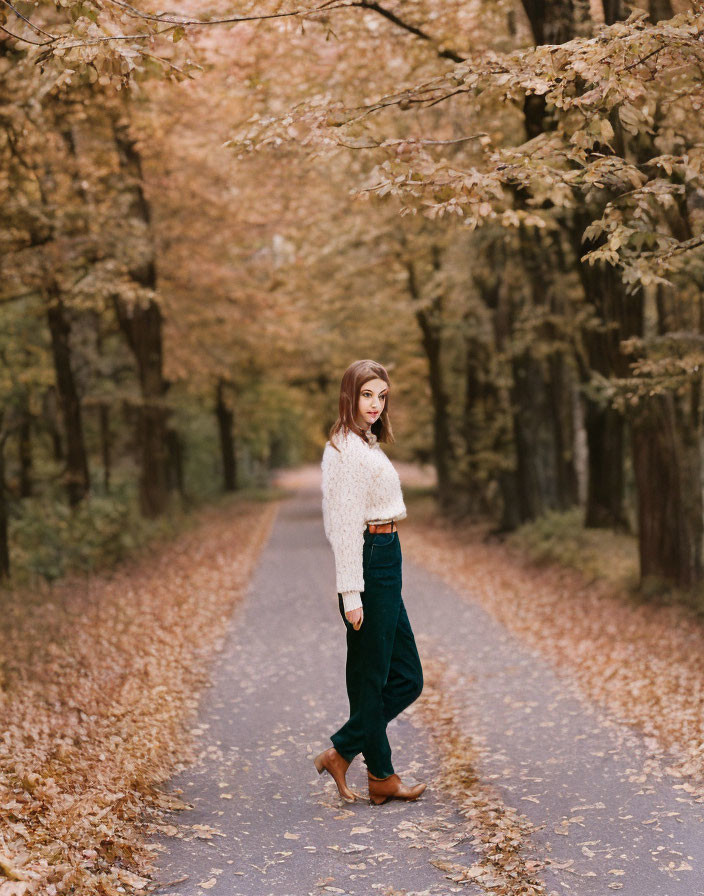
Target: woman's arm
351,600
344,486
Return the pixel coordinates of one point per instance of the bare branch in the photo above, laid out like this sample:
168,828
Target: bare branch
162,17
410,141
132,11
412,29
25,19
686,246
172,22
25,40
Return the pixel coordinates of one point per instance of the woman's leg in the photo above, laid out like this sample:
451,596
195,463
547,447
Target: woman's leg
353,681
405,680
384,642
369,659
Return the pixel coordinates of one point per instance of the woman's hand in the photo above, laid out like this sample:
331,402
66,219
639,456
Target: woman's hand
355,617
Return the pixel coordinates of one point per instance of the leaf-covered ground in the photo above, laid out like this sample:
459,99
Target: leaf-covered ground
530,790
99,677
644,663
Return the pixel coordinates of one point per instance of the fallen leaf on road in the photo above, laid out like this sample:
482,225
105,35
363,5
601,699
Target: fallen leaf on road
169,829
205,832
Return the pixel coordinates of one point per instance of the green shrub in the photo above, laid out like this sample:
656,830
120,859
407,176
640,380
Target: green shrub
560,537
48,538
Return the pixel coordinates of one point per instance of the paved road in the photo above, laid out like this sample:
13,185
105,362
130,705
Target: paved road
263,822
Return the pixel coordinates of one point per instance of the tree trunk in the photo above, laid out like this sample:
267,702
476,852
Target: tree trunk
605,479
4,537
478,393
76,478
542,395
557,21
666,441
142,326
105,443
24,447
543,430
489,283
660,9
560,392
541,392
226,417
175,469
617,316
666,462
50,416
613,11
442,451
429,318
546,476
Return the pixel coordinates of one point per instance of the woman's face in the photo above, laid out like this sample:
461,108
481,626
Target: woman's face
372,399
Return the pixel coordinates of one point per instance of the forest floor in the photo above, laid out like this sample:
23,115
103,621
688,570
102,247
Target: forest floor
559,729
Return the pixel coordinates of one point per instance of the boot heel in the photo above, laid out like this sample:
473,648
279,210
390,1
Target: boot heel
337,768
378,800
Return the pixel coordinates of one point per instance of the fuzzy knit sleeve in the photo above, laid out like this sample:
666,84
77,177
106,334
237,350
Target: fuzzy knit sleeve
345,482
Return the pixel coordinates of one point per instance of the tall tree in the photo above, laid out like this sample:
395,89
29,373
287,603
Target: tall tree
76,477
225,417
142,325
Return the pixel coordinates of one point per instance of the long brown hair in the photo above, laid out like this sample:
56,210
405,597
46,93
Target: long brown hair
356,375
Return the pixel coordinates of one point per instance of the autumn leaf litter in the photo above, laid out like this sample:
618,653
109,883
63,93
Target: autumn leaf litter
100,678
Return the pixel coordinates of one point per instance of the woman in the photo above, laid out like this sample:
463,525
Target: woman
362,501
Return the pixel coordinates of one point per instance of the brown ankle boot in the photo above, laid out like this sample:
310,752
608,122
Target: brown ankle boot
331,761
383,789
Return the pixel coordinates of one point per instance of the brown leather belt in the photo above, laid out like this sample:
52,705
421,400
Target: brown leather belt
382,527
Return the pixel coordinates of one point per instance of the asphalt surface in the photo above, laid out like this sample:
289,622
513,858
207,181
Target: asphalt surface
264,823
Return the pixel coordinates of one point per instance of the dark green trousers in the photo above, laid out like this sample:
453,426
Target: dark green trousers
383,670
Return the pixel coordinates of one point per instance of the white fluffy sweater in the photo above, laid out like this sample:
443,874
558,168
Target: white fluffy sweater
360,485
